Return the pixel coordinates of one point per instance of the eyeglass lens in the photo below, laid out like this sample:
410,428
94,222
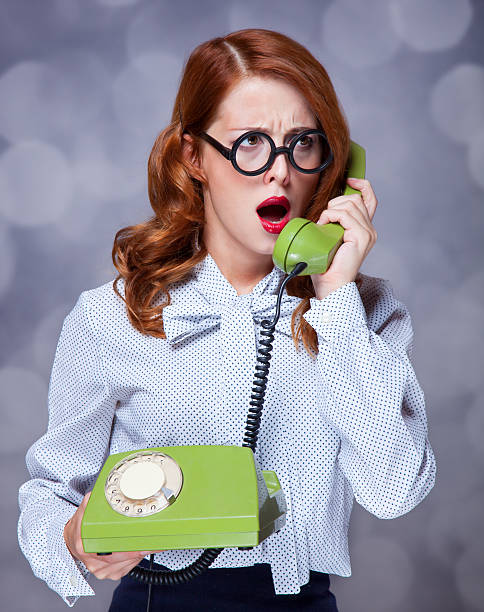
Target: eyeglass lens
310,152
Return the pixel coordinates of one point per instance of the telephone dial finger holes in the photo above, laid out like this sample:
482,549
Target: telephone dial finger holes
143,484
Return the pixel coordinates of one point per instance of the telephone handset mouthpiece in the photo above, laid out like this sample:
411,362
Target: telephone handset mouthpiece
302,240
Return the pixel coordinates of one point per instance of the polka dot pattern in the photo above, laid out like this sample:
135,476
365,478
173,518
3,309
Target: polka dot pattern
349,424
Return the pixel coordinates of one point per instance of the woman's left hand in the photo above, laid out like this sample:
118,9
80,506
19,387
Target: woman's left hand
354,213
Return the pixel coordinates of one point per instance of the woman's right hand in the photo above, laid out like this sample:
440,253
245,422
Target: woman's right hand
113,566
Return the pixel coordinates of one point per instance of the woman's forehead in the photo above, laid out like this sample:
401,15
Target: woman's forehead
255,101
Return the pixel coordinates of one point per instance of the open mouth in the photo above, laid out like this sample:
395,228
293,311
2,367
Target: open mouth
272,212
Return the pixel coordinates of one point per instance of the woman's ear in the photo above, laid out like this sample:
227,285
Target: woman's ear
188,150
192,157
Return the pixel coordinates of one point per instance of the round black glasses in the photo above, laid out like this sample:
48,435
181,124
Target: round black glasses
254,152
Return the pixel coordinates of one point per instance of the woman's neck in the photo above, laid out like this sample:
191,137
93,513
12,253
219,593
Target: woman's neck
242,274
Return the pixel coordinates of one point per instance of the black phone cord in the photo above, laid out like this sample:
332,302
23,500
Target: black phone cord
262,371
170,577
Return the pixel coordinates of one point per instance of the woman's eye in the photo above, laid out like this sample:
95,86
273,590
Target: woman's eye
305,141
251,140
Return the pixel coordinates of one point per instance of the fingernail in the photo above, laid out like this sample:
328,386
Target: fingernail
352,178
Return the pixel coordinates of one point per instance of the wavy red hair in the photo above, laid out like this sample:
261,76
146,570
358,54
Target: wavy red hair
150,256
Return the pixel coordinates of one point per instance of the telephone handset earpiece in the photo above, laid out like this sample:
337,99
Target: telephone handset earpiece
302,240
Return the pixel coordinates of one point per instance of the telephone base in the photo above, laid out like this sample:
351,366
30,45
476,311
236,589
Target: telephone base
226,501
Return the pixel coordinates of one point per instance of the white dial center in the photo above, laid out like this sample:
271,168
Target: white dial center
141,480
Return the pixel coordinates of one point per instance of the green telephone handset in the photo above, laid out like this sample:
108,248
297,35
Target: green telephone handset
303,240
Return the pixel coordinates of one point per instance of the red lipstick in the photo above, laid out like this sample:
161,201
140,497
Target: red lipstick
274,213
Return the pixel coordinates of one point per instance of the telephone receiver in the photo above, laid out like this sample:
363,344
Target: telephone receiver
302,240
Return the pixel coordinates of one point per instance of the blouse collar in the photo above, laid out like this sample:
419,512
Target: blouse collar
208,298
209,281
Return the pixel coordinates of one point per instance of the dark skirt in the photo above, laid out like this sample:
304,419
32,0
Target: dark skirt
224,589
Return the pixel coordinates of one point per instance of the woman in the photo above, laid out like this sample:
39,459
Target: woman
166,354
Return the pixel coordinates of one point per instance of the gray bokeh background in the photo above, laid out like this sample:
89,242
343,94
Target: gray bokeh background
86,85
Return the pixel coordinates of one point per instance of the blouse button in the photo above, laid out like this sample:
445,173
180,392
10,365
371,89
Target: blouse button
73,580
326,317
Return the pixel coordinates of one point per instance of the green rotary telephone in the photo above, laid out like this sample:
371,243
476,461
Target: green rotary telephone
192,497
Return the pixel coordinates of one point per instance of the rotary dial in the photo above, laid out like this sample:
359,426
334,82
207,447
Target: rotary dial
143,483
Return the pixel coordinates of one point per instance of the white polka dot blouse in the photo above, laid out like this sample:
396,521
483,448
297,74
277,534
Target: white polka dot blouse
349,424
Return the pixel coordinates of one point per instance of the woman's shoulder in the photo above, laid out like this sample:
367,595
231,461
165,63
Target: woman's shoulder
378,297
102,304
103,295
372,288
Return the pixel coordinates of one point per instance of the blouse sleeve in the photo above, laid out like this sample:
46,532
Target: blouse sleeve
65,461
369,392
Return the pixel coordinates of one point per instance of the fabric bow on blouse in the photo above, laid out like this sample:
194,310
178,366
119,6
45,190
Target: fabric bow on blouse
183,320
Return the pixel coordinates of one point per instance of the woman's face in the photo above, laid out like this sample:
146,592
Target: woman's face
233,227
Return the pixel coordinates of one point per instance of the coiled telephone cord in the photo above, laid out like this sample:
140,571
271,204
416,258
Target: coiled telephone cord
254,415
170,577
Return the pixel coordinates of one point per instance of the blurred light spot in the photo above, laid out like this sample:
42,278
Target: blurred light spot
90,225
448,332
288,18
67,13
474,424
448,438
473,286
457,102
469,570
16,581
475,158
431,25
471,517
103,180
23,404
445,536
144,92
109,160
79,222
23,114
35,184
29,29
382,574
383,261
440,535
175,27
51,101
385,130
432,260
116,3
104,272
7,261
83,88
371,43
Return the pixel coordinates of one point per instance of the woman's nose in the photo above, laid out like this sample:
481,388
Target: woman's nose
279,170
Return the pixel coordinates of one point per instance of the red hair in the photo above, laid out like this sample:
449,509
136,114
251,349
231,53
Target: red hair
152,255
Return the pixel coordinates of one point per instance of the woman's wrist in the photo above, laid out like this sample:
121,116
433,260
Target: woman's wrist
66,538
323,291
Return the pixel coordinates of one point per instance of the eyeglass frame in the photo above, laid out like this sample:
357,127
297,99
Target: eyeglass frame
230,154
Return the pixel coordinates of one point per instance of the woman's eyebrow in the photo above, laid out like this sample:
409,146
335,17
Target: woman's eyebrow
293,130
